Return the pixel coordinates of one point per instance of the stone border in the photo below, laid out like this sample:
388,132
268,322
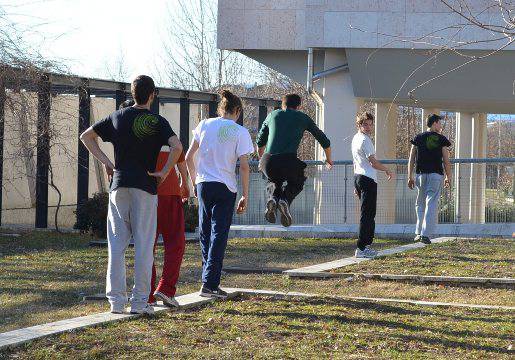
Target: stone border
17,337
503,230
286,295
336,264
452,280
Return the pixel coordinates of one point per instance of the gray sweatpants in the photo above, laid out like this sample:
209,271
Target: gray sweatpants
132,213
428,194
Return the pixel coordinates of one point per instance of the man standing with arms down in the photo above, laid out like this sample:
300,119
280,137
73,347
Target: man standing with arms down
278,141
428,150
365,182
137,136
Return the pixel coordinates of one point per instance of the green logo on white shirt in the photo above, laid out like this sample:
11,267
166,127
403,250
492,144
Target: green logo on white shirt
227,132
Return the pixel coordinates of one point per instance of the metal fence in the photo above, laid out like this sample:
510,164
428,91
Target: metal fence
482,191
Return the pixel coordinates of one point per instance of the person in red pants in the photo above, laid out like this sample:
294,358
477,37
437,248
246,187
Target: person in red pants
171,194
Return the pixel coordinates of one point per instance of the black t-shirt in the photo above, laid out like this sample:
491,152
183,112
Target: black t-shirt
137,136
429,152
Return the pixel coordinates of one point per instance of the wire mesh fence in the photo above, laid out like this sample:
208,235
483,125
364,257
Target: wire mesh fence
481,191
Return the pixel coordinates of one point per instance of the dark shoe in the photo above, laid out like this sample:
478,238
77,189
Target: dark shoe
284,209
271,208
425,240
417,238
208,293
169,301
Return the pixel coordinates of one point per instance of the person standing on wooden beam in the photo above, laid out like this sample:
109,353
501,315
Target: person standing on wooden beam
137,136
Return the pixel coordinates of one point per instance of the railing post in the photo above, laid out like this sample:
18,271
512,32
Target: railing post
240,119
120,96
345,195
213,107
184,121
43,152
82,152
154,107
457,195
2,127
262,115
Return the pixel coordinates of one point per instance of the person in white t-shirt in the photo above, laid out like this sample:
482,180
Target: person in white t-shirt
365,182
219,143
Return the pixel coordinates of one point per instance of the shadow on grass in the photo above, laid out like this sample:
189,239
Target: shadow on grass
389,324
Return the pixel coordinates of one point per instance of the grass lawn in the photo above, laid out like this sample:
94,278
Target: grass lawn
481,257
298,329
44,275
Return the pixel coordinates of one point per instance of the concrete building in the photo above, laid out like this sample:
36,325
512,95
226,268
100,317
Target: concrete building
392,52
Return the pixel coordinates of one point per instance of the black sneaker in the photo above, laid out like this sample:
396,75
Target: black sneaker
425,240
271,208
284,209
218,293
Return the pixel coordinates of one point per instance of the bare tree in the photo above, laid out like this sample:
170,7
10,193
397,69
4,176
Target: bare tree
117,69
190,57
22,67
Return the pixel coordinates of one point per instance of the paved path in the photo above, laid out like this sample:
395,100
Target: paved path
18,337
336,264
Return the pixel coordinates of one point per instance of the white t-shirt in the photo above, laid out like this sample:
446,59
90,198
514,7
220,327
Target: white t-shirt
221,143
362,149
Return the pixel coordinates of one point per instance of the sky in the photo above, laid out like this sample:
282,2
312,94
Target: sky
89,35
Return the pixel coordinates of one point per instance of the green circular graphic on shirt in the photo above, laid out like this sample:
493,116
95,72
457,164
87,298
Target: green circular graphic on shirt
145,125
432,142
227,132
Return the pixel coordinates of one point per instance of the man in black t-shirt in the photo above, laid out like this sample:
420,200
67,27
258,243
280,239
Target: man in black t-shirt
429,150
137,136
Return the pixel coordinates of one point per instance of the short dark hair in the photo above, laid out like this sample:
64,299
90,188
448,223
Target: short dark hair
432,118
125,104
291,101
141,88
364,116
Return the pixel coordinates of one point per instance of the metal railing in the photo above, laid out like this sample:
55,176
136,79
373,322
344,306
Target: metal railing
482,191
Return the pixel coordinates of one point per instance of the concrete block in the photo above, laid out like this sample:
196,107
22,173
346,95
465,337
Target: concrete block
288,5
392,5
418,30
391,29
282,29
367,5
231,4
300,26
364,29
420,6
231,29
258,4
314,28
257,29
342,5
337,29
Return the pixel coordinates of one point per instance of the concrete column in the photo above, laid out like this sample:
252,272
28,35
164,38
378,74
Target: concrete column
463,146
386,115
337,118
425,113
478,171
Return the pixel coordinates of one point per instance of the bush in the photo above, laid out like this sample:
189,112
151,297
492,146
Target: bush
92,215
190,215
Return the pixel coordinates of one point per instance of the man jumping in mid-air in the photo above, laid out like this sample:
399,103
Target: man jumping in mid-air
278,141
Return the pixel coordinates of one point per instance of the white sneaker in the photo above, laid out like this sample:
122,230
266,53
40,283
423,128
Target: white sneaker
117,309
147,310
367,253
167,300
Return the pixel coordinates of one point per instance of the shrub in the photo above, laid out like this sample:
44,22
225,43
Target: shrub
190,215
92,215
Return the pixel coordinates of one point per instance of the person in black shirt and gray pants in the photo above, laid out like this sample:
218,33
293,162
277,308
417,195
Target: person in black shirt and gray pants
429,149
